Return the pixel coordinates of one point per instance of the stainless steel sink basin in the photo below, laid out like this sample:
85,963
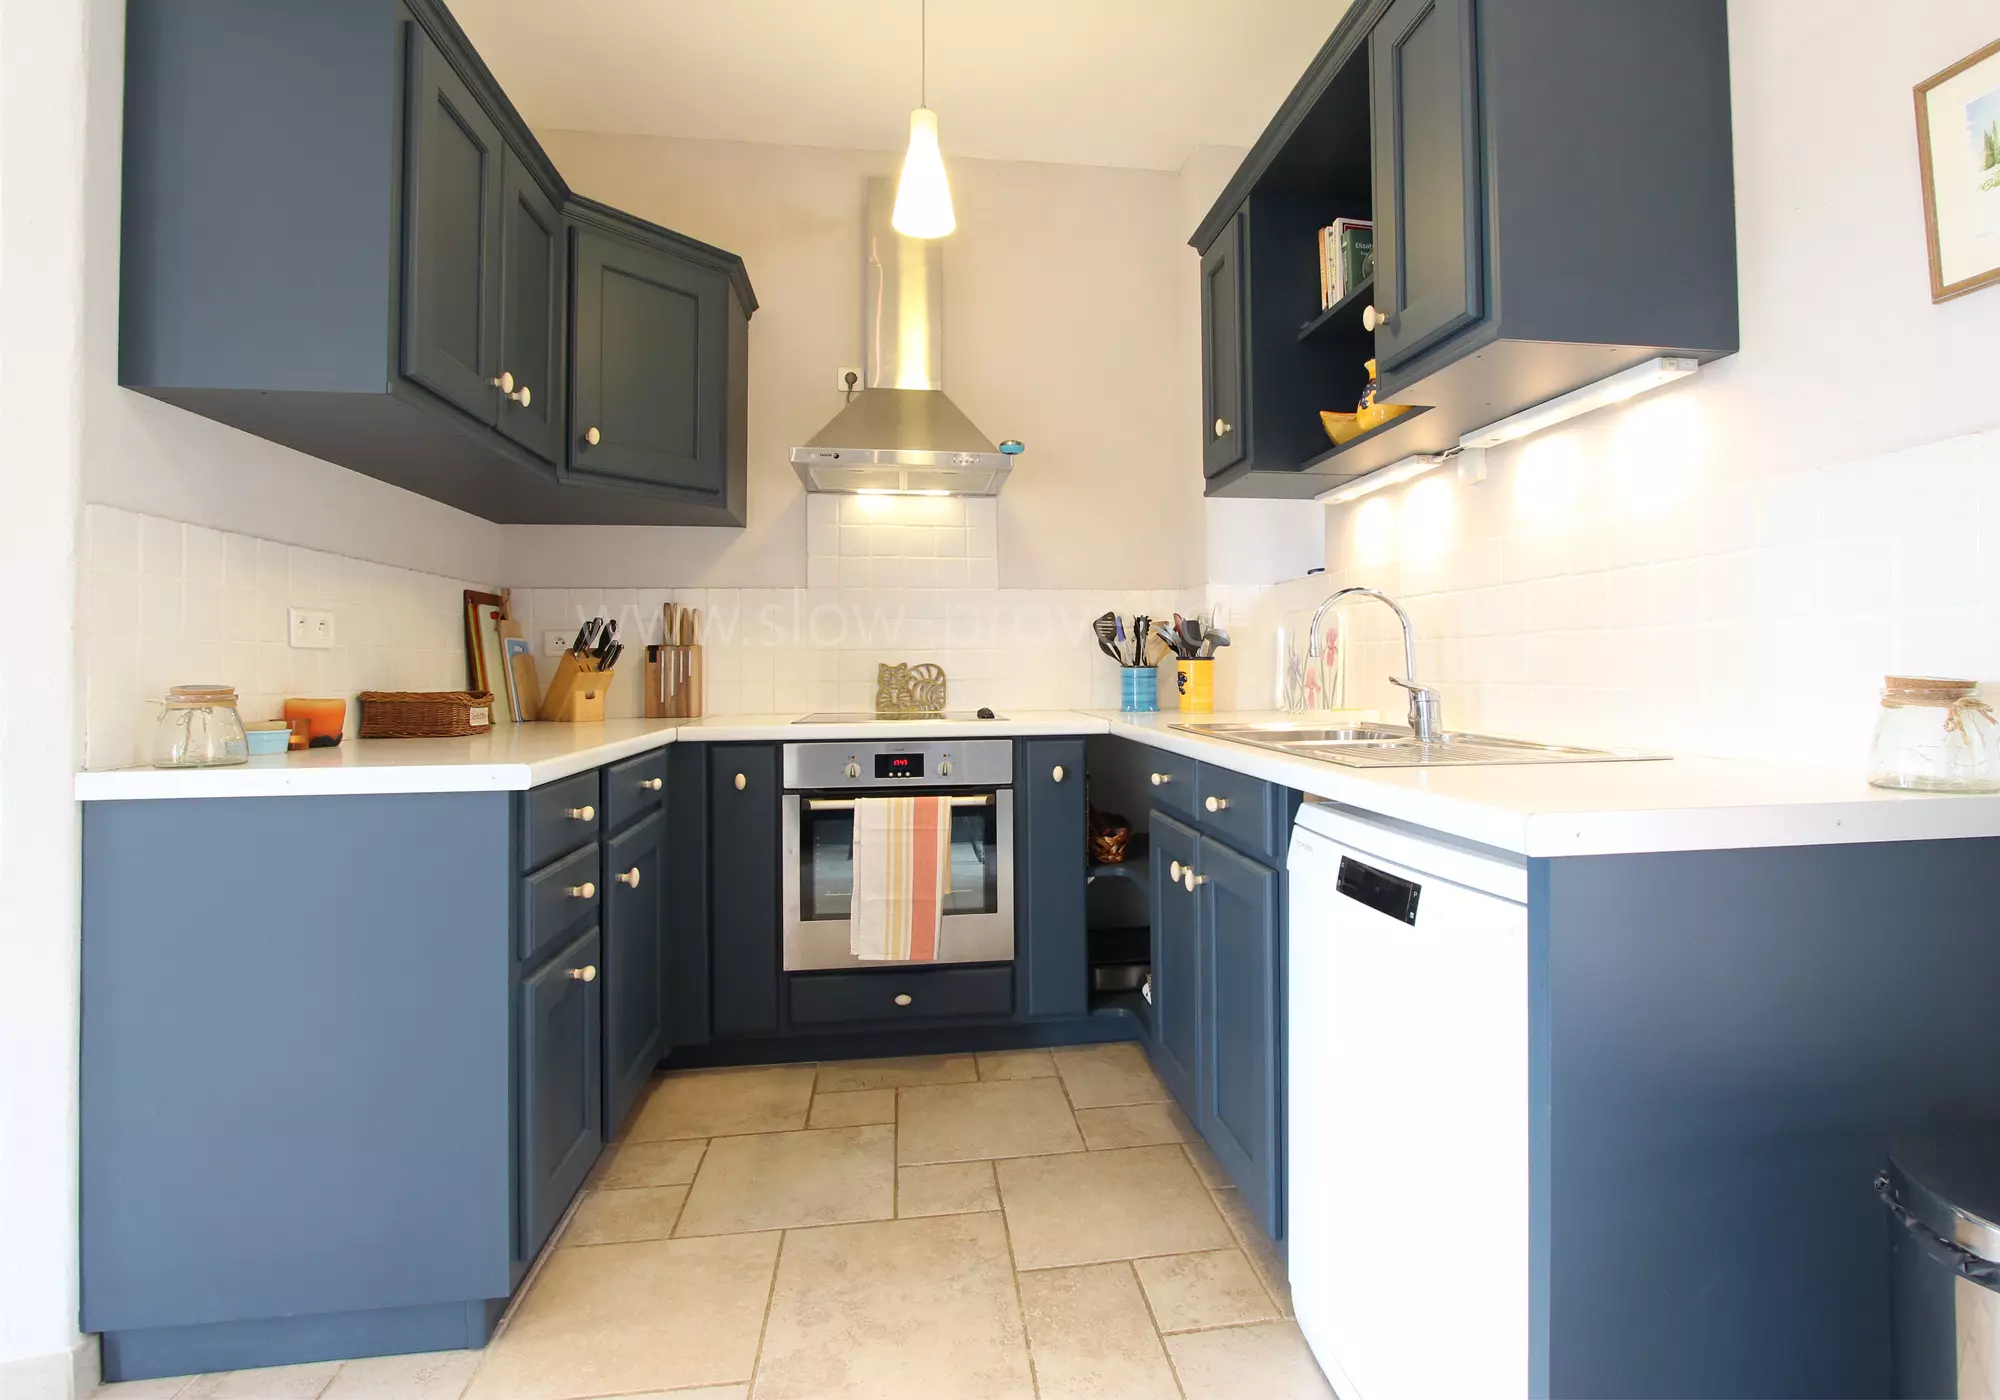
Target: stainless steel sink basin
1390,746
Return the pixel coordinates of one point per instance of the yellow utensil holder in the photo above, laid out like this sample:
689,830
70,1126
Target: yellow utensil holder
1196,682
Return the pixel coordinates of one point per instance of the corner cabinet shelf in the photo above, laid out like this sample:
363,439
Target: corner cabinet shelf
1348,306
408,287
1611,240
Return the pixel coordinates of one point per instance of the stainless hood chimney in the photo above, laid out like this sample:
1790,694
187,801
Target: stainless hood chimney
901,435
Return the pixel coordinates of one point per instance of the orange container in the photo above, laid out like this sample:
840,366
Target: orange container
325,721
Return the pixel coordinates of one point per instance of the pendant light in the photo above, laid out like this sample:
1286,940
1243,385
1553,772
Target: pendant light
923,194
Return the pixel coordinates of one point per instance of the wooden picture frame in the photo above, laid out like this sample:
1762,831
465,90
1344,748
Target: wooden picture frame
1958,154
479,674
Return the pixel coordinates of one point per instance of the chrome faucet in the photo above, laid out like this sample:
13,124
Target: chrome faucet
1426,712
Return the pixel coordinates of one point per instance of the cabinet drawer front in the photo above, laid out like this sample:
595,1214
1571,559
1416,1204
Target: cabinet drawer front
550,910
634,788
553,820
1248,813
1171,781
869,997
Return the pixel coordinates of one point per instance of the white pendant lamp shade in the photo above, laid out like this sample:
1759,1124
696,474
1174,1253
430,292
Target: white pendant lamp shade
923,195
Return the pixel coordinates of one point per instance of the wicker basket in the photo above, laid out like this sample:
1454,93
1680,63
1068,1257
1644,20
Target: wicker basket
425,714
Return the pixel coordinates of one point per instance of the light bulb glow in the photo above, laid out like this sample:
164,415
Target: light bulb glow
923,194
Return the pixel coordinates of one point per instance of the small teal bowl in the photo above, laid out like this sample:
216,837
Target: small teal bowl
265,742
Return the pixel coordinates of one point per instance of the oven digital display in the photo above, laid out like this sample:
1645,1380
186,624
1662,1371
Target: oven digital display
899,765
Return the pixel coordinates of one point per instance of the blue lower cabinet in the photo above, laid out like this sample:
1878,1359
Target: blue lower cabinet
1177,972
1051,946
743,833
1243,1024
635,984
562,1086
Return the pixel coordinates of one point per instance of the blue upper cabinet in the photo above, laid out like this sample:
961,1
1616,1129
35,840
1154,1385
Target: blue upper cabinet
1552,190
393,291
451,232
1429,249
654,405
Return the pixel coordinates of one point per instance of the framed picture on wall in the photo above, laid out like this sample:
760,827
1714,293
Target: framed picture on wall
1958,148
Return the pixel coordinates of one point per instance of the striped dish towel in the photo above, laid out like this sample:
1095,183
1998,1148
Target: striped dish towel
902,872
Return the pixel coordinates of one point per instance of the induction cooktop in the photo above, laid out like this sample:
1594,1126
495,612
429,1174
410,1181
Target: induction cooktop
863,717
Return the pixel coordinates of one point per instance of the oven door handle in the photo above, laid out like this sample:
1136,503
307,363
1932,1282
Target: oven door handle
846,804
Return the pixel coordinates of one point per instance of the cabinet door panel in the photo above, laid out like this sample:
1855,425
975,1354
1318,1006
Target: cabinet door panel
1225,350
743,879
1177,1030
532,297
1239,973
651,367
635,987
562,1091
1429,245
451,213
1051,953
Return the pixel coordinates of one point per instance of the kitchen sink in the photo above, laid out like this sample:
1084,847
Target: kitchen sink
1392,746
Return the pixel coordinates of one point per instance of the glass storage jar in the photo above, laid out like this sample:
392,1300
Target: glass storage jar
199,728
1935,735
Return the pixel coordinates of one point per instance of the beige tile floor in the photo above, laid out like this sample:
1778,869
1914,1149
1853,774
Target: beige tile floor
955,1227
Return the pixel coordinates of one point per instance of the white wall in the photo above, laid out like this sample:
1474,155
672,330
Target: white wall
1063,294
42,145
1732,564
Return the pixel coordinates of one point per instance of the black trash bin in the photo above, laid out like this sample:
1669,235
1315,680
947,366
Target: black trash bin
1943,1193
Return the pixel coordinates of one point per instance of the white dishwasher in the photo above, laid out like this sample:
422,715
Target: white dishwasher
1407,1110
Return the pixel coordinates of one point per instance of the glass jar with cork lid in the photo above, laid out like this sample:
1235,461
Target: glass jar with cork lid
1935,735
199,728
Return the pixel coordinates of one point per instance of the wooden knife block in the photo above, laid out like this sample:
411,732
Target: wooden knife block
575,695
673,683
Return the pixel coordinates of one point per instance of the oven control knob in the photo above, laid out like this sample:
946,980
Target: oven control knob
944,768
853,770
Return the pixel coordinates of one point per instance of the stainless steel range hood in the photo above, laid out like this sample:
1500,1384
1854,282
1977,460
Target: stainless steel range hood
900,434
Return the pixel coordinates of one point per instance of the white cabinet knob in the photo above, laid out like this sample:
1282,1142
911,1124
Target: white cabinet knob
902,998
582,814
524,396
592,436
741,782
584,974
1217,804
653,784
1057,773
586,890
504,382
1189,879
630,877
1174,872
1161,779
1371,318
1221,427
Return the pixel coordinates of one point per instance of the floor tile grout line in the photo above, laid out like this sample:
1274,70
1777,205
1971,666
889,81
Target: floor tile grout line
1014,1269
1159,1334
770,1303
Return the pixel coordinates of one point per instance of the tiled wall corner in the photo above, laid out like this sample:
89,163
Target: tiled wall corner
166,603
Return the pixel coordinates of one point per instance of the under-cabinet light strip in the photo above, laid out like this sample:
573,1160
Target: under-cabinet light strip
1616,388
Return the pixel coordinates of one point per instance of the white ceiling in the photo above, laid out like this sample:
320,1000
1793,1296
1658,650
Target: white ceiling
1091,82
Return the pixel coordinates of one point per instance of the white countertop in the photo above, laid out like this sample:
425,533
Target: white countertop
1532,810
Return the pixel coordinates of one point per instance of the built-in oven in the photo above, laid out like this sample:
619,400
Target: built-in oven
823,783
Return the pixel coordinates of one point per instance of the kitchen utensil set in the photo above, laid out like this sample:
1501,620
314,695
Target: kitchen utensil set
1192,638
1122,642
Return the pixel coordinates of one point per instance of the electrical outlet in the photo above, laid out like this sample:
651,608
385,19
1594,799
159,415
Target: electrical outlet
309,630
848,377
556,643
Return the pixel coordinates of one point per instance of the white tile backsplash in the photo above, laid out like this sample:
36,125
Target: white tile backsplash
1631,594
166,603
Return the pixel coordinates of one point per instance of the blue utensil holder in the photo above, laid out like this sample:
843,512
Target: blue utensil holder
1138,690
